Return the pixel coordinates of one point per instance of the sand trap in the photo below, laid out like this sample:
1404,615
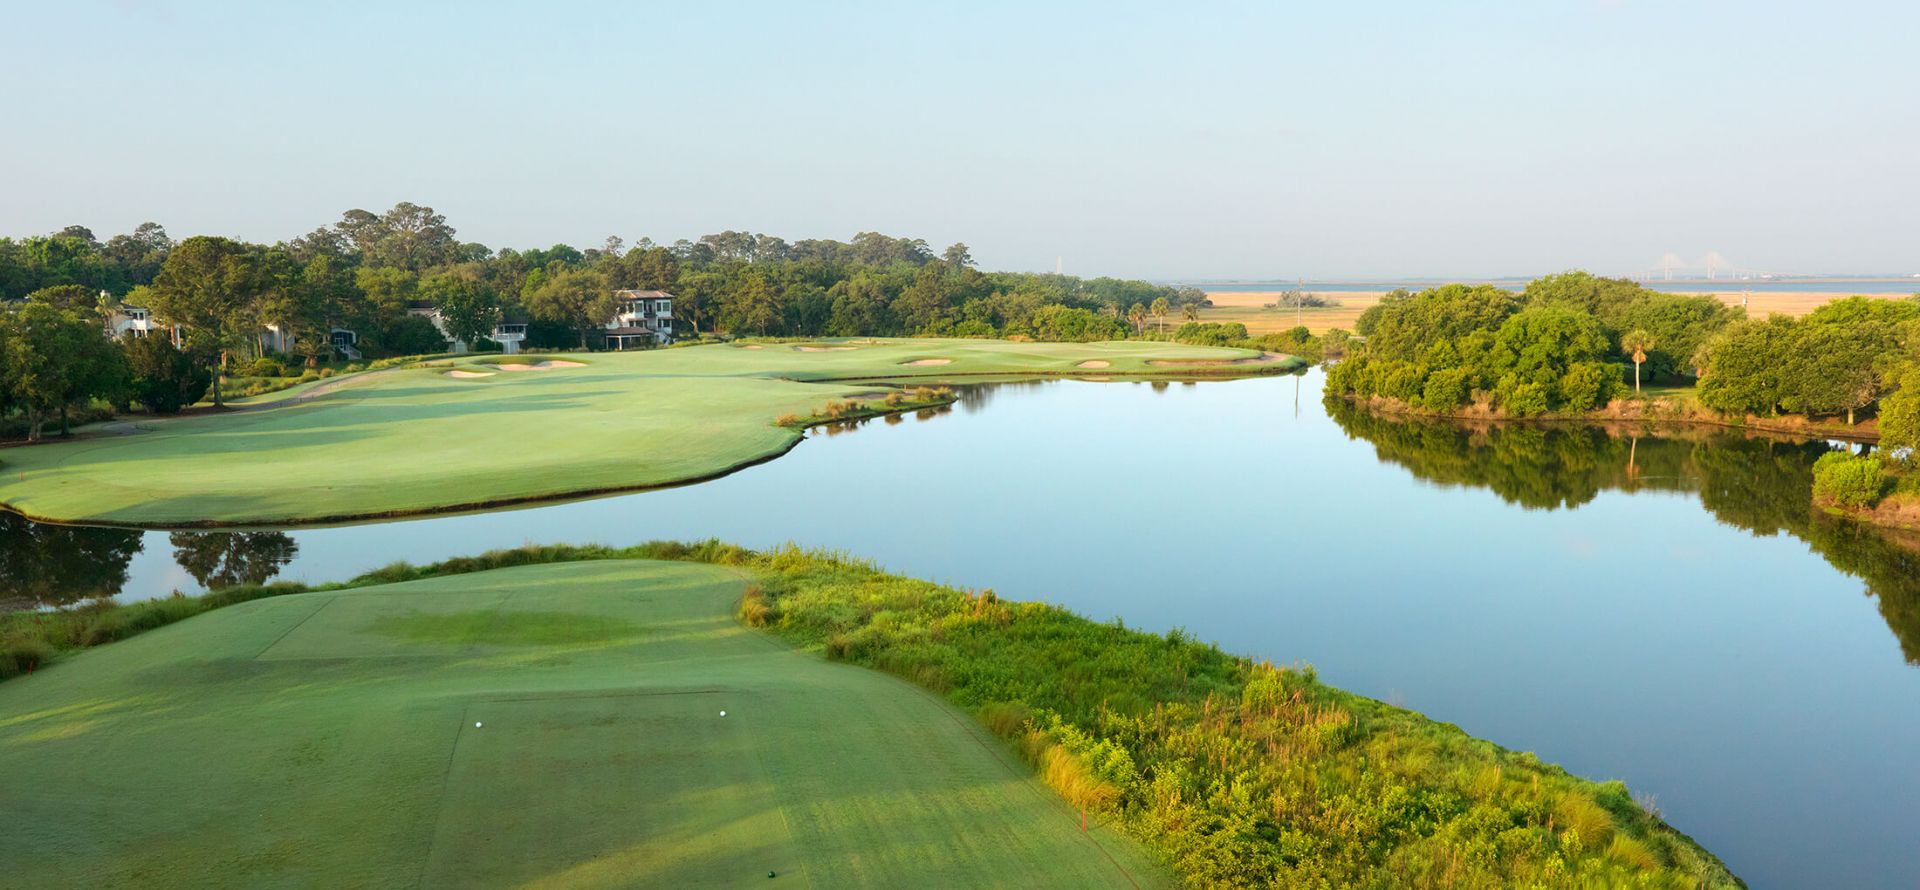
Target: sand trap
1095,363
752,347
467,375
929,361
824,348
1261,359
543,366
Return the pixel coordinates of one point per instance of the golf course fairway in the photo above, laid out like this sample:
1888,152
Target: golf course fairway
543,726
489,431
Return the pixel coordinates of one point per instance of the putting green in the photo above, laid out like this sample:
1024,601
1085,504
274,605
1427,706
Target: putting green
419,440
545,726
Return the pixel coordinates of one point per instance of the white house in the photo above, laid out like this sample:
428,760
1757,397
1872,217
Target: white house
508,332
128,320
645,319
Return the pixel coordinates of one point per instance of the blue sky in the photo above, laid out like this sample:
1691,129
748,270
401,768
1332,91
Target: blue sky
1154,139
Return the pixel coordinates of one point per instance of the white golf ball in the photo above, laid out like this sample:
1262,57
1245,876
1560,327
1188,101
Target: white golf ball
723,713
476,726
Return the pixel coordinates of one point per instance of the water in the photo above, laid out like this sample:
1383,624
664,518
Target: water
1663,611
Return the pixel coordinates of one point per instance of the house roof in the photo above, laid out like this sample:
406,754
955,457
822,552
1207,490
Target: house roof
643,294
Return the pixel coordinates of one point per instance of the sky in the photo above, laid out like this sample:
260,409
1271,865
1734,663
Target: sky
1160,140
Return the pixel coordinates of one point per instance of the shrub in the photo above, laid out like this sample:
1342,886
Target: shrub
1447,389
265,367
1848,480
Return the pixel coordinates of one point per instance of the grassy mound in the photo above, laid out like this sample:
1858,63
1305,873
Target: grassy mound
551,725
418,441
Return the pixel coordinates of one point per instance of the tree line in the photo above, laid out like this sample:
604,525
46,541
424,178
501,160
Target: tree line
366,271
1571,343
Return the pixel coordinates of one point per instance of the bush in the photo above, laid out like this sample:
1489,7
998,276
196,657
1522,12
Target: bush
1848,480
264,367
1447,389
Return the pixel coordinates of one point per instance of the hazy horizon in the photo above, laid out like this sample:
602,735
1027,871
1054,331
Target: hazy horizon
1216,142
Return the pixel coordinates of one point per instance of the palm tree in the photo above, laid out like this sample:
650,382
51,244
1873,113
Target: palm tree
1636,342
1159,311
1138,315
1190,313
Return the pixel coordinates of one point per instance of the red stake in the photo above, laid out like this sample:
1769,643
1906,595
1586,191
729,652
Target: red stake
1083,820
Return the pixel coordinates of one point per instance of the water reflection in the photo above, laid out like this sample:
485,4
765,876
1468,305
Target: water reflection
58,565
1759,484
223,559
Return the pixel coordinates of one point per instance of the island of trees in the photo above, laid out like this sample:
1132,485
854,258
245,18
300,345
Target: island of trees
1583,347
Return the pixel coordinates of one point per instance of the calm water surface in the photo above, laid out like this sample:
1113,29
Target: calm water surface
1662,611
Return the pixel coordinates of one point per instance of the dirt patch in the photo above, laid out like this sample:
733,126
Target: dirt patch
468,375
823,348
924,362
1095,363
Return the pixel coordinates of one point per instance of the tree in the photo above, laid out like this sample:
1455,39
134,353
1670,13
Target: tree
1159,310
468,307
1636,343
1189,312
212,286
165,378
56,360
958,256
577,298
1900,414
1137,316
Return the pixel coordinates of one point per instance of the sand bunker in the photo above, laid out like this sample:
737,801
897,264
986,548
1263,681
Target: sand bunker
465,375
929,361
1095,363
543,366
752,346
1261,359
824,348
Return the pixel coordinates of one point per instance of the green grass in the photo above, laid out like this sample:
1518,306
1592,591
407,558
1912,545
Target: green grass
330,739
417,440
1233,773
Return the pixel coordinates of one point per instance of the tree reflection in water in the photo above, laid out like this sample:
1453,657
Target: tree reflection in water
59,565
223,559
1761,484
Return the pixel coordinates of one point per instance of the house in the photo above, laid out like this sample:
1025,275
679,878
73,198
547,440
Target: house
645,318
275,339
508,332
128,320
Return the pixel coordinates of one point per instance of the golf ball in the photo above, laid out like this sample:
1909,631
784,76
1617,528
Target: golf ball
476,726
723,713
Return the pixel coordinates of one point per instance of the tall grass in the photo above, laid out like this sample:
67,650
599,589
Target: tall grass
29,640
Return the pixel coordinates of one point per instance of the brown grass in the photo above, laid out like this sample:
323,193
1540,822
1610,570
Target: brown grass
1245,307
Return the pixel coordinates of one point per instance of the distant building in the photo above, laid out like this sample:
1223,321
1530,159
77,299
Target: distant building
128,320
645,319
509,332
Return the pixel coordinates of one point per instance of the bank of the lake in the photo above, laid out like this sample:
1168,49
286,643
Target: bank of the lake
1665,609
488,432
1233,772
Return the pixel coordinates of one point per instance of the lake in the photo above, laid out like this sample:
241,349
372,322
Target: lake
1665,611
